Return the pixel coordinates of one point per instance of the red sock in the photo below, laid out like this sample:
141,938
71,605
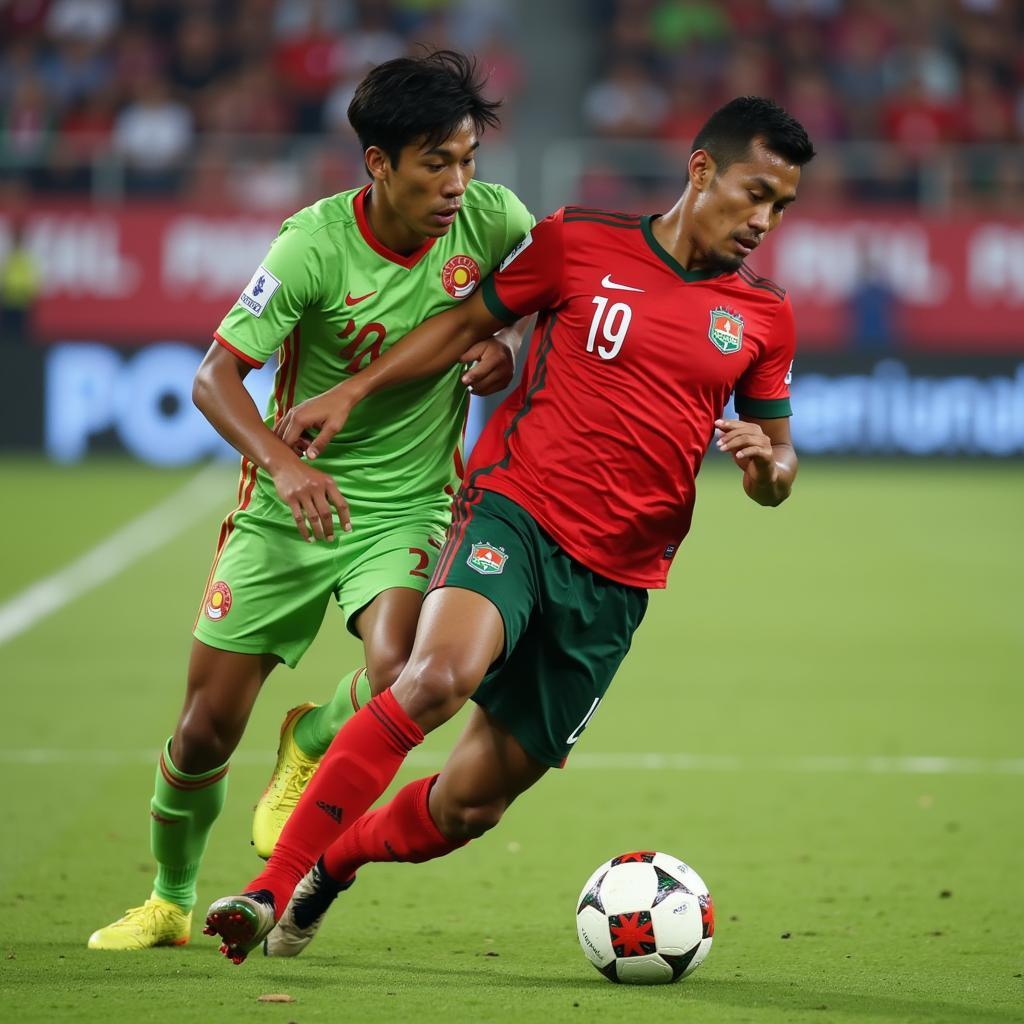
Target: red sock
401,830
358,766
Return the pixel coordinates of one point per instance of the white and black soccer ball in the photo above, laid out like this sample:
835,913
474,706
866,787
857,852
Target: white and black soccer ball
645,918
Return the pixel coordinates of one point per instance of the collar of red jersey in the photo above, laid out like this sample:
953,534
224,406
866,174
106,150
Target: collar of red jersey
666,257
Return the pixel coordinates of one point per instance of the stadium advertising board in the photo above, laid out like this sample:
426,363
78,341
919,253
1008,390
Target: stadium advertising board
97,397
142,273
82,398
78,398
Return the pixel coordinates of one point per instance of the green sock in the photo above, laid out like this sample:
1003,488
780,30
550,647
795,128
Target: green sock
315,729
182,812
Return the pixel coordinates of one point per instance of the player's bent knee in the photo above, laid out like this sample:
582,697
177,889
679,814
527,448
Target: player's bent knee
383,671
437,685
202,742
471,821
195,753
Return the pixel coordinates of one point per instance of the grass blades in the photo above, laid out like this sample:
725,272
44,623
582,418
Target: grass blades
842,674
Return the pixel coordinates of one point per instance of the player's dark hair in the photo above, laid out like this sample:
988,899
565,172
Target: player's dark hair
420,99
730,131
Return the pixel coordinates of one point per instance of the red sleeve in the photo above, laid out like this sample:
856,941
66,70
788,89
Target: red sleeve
529,278
763,391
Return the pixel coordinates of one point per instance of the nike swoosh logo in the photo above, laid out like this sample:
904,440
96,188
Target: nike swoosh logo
352,301
607,282
578,731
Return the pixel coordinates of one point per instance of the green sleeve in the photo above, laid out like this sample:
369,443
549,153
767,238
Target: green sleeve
518,221
284,286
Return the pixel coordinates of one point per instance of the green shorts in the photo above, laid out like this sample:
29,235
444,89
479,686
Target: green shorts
566,628
268,588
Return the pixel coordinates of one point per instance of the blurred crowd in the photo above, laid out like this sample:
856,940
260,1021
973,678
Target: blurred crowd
924,77
191,98
146,86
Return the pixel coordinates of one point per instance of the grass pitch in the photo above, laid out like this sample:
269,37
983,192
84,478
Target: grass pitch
822,715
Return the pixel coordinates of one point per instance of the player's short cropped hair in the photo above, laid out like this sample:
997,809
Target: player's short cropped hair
420,100
730,131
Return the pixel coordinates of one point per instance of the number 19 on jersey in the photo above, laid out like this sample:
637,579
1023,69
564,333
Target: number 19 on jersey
612,322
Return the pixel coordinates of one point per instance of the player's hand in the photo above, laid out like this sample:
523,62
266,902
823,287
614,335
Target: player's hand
309,427
493,367
750,447
313,498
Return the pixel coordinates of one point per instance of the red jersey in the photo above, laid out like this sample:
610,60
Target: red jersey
632,361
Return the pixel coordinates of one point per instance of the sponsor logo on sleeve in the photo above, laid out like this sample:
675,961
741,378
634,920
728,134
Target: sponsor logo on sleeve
487,559
460,276
259,291
726,330
789,373
525,243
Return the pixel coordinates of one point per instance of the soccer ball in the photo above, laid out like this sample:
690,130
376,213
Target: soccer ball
645,918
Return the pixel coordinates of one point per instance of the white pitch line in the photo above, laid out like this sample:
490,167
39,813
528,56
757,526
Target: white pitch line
135,540
800,765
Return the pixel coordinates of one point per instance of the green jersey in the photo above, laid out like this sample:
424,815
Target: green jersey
330,298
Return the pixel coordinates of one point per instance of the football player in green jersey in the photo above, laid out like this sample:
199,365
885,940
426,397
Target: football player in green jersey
345,279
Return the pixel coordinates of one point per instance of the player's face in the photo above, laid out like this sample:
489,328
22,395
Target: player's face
424,192
735,209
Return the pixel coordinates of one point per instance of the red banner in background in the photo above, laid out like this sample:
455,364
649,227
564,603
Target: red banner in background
140,273
954,285
137,274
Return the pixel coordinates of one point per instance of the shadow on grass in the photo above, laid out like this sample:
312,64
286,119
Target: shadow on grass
785,997
472,973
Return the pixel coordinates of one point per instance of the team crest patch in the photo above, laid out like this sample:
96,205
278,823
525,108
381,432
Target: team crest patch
487,559
460,276
726,330
218,601
259,291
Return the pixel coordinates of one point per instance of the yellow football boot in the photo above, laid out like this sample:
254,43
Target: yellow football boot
290,777
156,923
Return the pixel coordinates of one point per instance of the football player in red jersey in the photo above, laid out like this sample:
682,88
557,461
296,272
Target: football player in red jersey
576,498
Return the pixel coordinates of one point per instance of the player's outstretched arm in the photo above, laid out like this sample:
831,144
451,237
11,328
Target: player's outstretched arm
434,346
220,395
764,450
492,362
